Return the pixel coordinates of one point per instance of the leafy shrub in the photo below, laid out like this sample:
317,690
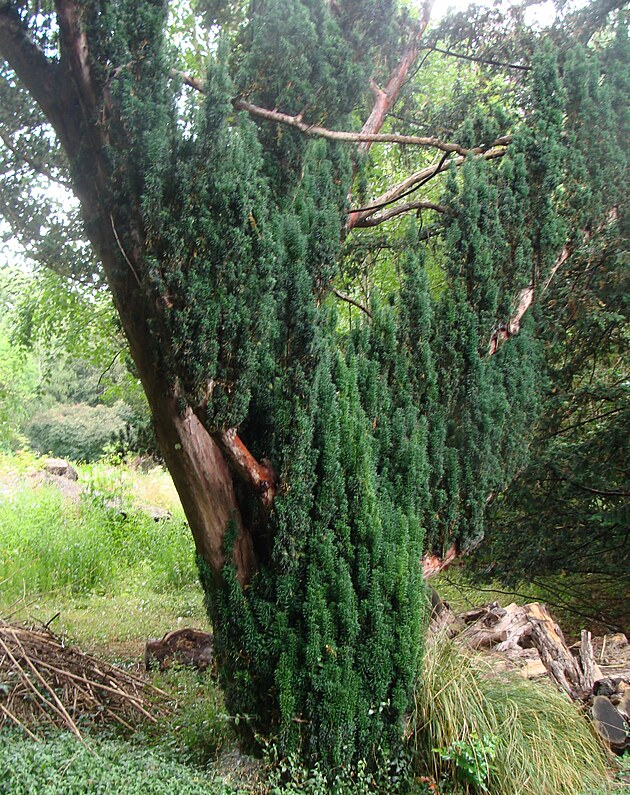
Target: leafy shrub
78,432
472,759
62,766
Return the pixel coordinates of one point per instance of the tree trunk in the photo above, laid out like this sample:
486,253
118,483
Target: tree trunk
68,99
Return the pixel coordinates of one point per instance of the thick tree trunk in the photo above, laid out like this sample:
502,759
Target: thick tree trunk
199,470
66,96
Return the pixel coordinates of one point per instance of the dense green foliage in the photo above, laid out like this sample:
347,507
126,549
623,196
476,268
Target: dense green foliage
568,512
78,432
389,437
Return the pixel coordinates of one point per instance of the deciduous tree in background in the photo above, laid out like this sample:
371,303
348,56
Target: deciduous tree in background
315,463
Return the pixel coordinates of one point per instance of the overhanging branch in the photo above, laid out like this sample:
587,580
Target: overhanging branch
416,180
349,300
393,212
358,137
37,74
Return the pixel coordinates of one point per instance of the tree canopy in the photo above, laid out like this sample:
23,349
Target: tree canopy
333,401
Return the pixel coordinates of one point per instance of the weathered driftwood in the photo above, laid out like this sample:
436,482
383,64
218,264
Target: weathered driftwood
529,637
573,674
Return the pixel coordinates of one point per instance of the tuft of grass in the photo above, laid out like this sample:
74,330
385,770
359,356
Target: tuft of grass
199,728
539,741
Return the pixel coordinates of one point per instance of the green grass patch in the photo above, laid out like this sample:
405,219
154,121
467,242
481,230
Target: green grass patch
115,625
51,543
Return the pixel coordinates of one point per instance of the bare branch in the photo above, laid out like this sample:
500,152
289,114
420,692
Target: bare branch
486,61
393,212
414,181
348,299
355,137
189,80
385,98
338,135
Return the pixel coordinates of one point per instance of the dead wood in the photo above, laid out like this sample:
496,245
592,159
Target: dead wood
42,679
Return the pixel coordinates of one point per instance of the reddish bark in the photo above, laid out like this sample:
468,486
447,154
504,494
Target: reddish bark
259,476
525,300
385,98
432,564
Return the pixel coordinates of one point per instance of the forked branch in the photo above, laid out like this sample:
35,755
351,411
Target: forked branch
384,98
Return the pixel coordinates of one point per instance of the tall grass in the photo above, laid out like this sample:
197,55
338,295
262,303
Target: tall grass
51,543
542,743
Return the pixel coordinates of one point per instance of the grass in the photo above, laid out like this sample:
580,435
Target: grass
109,581
114,625
51,543
527,737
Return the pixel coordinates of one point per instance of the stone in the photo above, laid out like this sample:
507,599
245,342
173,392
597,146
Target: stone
60,468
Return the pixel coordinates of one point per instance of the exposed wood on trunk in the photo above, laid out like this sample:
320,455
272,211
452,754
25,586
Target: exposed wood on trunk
260,476
432,564
528,294
525,300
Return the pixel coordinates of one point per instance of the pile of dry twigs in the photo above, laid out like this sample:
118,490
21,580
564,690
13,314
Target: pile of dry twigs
44,681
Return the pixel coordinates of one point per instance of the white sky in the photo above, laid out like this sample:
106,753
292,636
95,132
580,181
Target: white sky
538,16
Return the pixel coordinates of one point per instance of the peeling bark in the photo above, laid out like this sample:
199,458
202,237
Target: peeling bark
432,564
259,476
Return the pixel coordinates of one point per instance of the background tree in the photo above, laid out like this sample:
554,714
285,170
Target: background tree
311,459
567,513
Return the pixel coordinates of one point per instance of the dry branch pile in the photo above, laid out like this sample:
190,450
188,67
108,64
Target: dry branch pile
44,681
